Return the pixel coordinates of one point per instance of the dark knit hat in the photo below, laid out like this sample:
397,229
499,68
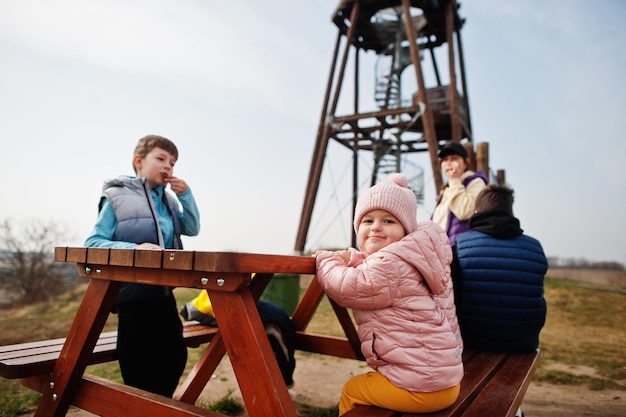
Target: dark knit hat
453,148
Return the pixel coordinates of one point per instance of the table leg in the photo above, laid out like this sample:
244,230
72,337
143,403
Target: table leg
81,339
348,328
307,306
304,313
260,381
199,376
192,387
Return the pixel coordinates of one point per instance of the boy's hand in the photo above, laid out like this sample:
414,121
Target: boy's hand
148,246
178,186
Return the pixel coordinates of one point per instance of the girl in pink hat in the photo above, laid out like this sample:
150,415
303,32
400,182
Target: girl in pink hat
399,288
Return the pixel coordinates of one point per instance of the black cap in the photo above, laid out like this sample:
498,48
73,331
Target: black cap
453,148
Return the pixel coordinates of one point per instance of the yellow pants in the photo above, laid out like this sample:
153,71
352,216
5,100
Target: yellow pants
373,388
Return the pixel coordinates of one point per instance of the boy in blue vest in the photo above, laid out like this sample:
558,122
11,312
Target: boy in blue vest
138,213
498,275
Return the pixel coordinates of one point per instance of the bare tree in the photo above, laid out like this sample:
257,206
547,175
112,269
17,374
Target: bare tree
28,272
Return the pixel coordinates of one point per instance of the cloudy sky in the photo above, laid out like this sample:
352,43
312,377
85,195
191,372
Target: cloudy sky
239,87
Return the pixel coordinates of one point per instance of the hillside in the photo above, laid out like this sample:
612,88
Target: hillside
597,277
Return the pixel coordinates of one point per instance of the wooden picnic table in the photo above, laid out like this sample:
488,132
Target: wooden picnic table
494,383
228,279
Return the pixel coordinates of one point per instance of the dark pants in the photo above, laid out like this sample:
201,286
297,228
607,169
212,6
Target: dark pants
151,350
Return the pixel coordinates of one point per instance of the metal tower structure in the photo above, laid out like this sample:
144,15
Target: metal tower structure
407,38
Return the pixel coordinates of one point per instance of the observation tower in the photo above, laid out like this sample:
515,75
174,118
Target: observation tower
396,86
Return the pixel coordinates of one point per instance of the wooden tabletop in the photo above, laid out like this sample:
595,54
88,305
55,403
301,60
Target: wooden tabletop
189,260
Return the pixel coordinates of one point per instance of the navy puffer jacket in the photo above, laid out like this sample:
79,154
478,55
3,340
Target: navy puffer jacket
498,280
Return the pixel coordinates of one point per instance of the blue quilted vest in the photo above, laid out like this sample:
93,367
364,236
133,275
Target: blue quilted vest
499,291
136,222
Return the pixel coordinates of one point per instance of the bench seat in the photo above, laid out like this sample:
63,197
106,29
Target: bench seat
37,358
494,385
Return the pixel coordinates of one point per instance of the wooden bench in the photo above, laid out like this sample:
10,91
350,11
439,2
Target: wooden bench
494,385
37,358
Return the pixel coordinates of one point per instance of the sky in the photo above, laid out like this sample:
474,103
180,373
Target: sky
239,87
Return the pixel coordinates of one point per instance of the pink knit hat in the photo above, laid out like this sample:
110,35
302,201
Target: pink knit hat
393,196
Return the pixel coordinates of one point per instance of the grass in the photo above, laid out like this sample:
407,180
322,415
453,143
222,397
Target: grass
584,329
581,343
13,405
226,406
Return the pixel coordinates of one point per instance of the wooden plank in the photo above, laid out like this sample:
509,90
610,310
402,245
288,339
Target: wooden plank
254,364
504,393
341,347
253,263
28,345
34,349
99,256
78,255
121,257
324,344
74,357
60,254
34,358
308,305
197,334
200,261
148,258
479,368
258,284
103,397
178,259
24,367
199,375
348,328
167,277
494,385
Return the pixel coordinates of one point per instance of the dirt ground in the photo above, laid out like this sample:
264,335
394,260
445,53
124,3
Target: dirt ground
318,382
313,386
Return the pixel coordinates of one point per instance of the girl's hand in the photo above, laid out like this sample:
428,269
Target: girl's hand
345,255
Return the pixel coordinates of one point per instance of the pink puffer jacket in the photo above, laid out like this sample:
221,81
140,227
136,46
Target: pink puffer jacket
403,302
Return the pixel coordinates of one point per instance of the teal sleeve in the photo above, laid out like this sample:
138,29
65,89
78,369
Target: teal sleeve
102,234
190,216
